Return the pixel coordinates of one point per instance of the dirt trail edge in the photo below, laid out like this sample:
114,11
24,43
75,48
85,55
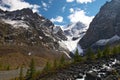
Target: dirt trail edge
7,75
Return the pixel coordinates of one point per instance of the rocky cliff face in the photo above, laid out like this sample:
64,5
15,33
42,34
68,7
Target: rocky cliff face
25,35
75,30
23,27
105,25
74,33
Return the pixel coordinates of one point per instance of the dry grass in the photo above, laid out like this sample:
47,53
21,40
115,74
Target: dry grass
12,57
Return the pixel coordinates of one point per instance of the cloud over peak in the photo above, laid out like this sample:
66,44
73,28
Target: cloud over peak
57,19
12,5
80,15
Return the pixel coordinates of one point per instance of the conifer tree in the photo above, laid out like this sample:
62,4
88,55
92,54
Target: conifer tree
99,53
77,57
47,67
90,54
116,50
31,71
106,52
55,65
62,61
21,73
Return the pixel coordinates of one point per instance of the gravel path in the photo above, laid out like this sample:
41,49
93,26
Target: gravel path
7,75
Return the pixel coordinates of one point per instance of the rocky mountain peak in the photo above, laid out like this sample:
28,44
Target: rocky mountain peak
105,24
32,28
25,11
75,30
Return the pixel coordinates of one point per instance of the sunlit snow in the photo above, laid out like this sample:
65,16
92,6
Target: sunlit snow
72,45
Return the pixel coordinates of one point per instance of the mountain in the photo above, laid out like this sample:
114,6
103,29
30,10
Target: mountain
75,30
28,34
104,27
74,33
31,27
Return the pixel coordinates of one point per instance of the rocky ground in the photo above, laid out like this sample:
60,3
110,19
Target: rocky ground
102,69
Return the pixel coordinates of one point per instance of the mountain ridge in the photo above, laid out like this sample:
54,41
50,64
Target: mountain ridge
104,26
25,18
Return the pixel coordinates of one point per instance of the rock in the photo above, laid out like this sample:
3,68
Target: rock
31,27
104,26
111,77
99,70
91,76
80,76
75,30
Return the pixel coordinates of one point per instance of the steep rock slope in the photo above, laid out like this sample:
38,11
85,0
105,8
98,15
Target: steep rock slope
105,25
25,35
29,28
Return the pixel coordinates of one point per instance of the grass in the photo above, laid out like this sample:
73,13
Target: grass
12,57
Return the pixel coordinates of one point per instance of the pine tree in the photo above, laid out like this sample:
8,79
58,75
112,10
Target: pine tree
31,71
116,50
106,52
99,53
47,67
77,57
90,54
55,65
62,61
21,73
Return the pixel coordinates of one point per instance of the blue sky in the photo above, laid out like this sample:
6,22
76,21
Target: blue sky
60,12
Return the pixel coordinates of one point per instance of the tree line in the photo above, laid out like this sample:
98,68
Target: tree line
52,67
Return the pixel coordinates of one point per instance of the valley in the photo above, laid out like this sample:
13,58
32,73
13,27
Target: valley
33,47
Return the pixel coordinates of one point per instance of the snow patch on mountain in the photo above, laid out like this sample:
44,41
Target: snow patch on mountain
72,45
75,30
110,40
16,23
74,33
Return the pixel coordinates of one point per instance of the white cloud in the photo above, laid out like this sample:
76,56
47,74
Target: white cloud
35,8
17,4
84,1
81,1
57,19
45,9
71,10
80,15
69,0
44,4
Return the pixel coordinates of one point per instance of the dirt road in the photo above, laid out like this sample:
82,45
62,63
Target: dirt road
7,75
